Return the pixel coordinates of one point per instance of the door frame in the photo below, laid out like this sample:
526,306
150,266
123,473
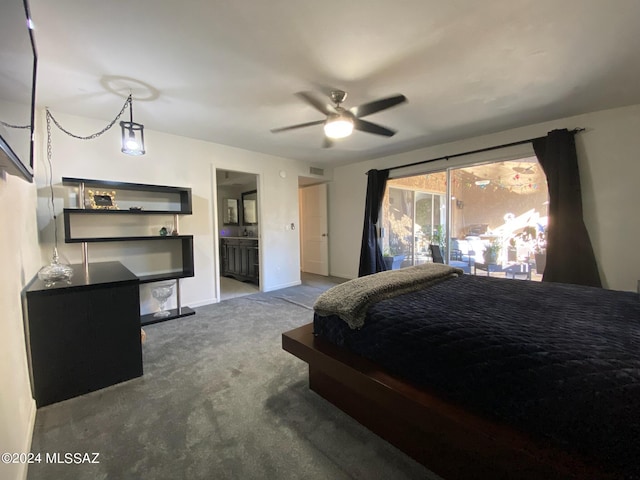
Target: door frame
217,224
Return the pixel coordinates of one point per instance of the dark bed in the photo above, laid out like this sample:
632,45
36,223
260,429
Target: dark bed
480,377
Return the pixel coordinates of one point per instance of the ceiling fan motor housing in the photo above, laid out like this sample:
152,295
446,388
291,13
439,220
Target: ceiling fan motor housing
338,96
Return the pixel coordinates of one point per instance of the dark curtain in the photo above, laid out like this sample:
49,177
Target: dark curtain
371,260
570,257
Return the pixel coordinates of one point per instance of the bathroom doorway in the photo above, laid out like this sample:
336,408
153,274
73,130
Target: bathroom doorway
238,233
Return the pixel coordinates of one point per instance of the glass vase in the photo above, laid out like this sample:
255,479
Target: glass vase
56,272
161,293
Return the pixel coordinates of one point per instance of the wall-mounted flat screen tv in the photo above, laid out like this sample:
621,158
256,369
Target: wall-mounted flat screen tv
18,61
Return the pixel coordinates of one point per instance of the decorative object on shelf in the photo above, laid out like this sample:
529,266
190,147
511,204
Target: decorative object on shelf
163,232
174,232
56,272
102,200
132,134
161,293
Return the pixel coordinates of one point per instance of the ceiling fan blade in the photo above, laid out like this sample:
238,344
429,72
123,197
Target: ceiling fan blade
369,127
327,143
317,104
377,105
300,125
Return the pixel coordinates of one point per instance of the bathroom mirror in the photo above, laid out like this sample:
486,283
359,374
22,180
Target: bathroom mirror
230,211
250,208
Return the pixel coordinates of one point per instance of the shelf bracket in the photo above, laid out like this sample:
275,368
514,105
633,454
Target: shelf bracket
85,257
178,299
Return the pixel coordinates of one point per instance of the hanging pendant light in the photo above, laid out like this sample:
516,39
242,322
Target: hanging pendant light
132,134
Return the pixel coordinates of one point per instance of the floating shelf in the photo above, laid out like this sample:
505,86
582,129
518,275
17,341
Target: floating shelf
160,277
128,239
149,319
184,193
92,211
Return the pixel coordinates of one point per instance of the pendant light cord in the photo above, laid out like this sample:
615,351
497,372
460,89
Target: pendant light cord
8,125
93,135
51,118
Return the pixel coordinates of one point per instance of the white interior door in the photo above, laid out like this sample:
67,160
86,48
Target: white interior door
314,234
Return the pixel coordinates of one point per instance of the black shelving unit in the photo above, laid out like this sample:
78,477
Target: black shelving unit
182,198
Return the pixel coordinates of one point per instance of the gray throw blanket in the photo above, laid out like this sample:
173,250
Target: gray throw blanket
350,300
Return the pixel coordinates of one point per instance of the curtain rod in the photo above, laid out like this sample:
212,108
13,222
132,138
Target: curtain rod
480,150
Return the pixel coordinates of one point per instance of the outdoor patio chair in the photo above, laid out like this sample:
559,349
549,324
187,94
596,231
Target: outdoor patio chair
436,255
518,271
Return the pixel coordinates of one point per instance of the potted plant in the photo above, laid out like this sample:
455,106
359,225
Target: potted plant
399,242
392,260
492,251
438,237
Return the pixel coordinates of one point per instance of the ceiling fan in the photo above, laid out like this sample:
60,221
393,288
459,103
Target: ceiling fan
341,122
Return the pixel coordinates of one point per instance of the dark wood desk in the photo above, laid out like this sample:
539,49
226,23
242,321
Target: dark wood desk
85,335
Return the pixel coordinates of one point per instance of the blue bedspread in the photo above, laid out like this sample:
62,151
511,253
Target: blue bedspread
560,362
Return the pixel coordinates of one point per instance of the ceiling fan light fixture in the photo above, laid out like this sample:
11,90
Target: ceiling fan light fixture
338,126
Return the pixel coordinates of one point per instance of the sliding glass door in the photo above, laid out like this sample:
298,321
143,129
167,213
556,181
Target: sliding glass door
491,220
414,216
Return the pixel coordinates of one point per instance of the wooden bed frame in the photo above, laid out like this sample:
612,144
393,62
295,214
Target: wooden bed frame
445,438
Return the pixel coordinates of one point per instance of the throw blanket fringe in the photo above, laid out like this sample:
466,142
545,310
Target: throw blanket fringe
351,300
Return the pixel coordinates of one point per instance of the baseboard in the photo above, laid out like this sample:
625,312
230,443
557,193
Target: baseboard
341,275
202,303
28,438
283,285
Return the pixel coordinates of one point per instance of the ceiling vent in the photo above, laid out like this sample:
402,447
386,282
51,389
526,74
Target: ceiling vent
316,171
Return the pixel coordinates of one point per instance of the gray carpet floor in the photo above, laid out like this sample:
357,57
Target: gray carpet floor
219,399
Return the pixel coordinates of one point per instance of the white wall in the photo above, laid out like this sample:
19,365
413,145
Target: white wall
27,235
183,162
609,171
20,262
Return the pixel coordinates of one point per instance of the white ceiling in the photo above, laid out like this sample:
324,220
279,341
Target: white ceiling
227,71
